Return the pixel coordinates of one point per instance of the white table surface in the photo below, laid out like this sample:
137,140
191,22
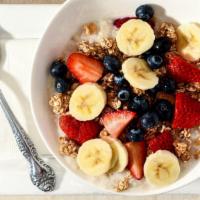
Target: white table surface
20,28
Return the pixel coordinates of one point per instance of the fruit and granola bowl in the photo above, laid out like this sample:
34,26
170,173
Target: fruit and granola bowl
120,105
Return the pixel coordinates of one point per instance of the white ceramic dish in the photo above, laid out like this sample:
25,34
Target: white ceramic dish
66,22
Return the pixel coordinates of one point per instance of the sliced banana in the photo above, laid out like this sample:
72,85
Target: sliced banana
188,43
138,74
161,168
94,157
120,155
135,37
112,144
87,101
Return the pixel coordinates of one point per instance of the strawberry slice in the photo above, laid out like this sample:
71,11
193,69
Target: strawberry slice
163,141
187,112
69,126
181,70
84,68
88,130
77,130
136,158
115,122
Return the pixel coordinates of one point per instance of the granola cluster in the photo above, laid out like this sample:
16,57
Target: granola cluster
191,88
182,144
67,147
59,103
113,101
123,184
98,50
107,81
168,30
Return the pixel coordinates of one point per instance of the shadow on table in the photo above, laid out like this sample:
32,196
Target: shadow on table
12,84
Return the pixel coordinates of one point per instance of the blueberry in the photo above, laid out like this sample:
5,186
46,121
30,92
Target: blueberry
139,104
133,124
162,45
167,84
144,12
155,61
146,54
149,120
62,85
119,80
124,94
164,109
58,69
112,64
135,135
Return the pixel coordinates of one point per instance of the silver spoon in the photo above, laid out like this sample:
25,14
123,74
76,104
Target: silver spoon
41,174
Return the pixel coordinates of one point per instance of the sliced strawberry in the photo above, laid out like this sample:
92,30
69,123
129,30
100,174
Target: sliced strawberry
181,70
163,141
88,130
120,21
84,68
115,122
69,126
77,130
136,158
187,112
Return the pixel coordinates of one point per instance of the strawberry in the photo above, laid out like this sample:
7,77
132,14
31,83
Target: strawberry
187,112
115,122
88,130
84,68
163,141
77,130
136,158
120,21
69,126
181,70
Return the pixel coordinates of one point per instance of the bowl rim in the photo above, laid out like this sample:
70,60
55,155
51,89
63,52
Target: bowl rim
162,190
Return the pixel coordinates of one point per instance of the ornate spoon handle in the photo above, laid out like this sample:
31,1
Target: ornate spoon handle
41,174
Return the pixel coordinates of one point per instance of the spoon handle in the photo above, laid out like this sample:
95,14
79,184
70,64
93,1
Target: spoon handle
41,174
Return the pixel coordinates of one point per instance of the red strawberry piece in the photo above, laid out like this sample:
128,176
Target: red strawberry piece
120,21
115,122
187,112
77,130
136,158
181,70
164,141
69,126
84,68
88,130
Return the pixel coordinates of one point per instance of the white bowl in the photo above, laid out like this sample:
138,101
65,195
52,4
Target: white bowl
65,23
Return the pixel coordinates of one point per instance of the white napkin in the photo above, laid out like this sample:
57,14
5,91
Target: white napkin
15,70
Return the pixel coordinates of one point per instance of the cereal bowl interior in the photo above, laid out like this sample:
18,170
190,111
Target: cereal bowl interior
56,40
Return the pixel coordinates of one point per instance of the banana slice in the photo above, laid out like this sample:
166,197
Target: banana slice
112,144
188,43
138,74
161,168
135,37
94,157
87,101
120,155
